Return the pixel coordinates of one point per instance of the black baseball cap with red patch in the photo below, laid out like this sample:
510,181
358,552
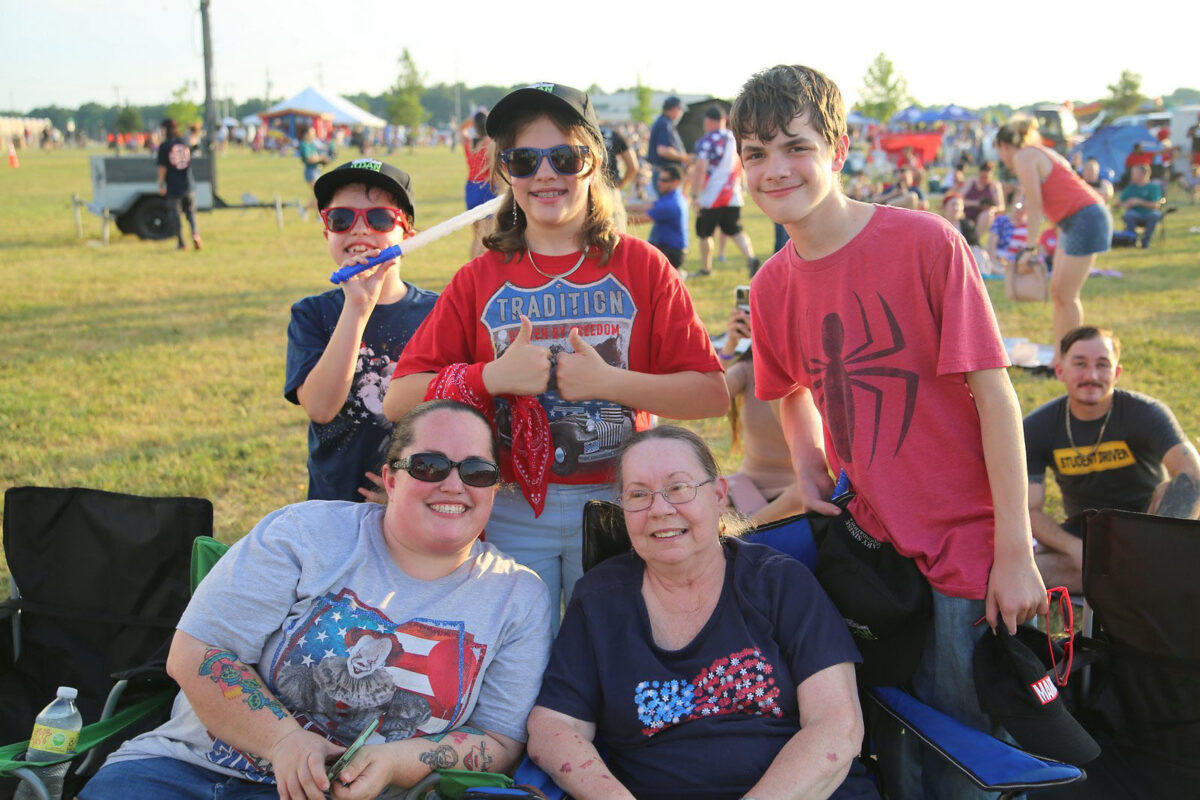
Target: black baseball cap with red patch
1016,689
540,96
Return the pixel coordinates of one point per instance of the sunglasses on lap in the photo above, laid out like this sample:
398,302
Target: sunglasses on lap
435,467
382,219
565,159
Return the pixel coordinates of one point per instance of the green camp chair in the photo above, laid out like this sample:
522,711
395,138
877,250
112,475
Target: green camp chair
99,581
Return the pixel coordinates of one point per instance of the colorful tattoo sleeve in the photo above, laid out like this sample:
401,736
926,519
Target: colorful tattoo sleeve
236,680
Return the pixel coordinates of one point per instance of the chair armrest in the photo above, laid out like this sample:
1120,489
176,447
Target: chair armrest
991,764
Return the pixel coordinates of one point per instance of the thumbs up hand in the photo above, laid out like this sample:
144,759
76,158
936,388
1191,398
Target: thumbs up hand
523,369
581,374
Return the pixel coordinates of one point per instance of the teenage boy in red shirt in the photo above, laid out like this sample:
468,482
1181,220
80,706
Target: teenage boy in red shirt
877,340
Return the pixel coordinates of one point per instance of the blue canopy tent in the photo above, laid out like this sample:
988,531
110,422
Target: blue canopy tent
859,119
909,116
1111,144
953,113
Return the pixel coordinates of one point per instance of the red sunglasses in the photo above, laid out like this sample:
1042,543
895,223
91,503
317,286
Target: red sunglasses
382,219
1060,628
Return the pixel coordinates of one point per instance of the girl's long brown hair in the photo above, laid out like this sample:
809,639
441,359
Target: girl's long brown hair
599,231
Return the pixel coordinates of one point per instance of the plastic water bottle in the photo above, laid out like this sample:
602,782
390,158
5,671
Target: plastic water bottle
55,734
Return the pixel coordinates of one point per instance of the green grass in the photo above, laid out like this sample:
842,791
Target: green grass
138,369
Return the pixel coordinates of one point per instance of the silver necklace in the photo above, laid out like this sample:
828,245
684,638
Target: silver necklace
1099,439
538,270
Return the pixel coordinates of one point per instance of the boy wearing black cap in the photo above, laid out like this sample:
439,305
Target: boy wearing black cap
343,344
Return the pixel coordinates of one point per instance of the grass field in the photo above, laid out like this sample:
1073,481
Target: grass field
134,368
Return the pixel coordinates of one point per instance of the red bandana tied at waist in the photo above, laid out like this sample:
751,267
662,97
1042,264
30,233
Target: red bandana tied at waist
531,443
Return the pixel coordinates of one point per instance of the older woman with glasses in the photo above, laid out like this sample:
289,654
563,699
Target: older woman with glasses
711,668
329,616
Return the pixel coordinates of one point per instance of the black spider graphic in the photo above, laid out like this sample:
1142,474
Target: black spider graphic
839,377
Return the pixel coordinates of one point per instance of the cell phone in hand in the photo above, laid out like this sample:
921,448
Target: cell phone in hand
352,750
741,298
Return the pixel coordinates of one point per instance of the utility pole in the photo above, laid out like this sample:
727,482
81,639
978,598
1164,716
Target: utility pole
210,106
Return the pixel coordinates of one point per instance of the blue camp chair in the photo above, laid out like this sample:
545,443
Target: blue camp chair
991,764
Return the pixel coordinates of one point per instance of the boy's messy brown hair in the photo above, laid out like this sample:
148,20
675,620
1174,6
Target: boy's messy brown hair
772,98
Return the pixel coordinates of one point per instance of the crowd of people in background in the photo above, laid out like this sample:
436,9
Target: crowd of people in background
545,363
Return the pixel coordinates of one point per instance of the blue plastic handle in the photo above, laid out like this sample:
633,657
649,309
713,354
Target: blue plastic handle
343,274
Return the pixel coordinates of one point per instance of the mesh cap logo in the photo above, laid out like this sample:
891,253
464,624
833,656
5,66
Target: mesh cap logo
545,87
367,163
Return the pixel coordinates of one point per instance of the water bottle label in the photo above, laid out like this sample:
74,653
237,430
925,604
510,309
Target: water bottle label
53,740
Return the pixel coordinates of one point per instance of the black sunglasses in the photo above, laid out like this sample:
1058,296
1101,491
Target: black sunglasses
383,219
566,159
435,467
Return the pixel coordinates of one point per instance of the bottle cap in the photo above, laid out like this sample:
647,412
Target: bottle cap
67,693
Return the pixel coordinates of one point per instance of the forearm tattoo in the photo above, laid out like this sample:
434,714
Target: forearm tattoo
479,759
441,757
235,680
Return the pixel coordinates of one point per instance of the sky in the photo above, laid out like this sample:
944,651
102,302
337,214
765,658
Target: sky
65,53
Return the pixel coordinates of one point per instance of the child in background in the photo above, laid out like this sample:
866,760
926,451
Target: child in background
343,344
766,470
669,213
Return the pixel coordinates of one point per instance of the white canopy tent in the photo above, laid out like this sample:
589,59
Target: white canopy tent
313,102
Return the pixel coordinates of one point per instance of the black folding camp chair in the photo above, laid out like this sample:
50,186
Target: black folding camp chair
99,581
1143,700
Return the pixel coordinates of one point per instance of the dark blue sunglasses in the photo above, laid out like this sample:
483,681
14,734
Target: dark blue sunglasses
565,159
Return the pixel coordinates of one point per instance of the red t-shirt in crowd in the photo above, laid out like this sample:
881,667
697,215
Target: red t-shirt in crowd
882,332
635,311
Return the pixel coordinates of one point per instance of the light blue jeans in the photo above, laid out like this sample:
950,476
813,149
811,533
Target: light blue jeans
151,778
945,680
158,778
551,545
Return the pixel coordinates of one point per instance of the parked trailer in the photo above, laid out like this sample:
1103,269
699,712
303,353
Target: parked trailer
125,190
127,186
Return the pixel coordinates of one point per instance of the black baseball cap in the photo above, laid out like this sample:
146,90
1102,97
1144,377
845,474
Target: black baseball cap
1016,689
540,96
672,102
371,172
715,113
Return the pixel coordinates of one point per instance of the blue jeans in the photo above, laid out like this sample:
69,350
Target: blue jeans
1146,217
154,778
551,545
945,680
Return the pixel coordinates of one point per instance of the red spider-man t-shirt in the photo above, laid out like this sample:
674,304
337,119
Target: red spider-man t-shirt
882,332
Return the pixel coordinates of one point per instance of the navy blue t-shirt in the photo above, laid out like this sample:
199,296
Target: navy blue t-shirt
704,721
663,133
176,156
342,450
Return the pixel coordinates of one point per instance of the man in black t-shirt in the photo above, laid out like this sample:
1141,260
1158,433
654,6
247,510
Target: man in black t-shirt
1108,448
618,150
175,181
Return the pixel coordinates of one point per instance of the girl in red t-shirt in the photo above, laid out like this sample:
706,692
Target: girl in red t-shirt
568,334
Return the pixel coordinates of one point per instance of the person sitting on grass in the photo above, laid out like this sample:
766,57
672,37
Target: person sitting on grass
1107,447
765,473
343,344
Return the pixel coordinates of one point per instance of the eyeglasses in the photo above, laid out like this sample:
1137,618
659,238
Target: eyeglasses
566,159
383,219
1060,629
676,494
435,467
